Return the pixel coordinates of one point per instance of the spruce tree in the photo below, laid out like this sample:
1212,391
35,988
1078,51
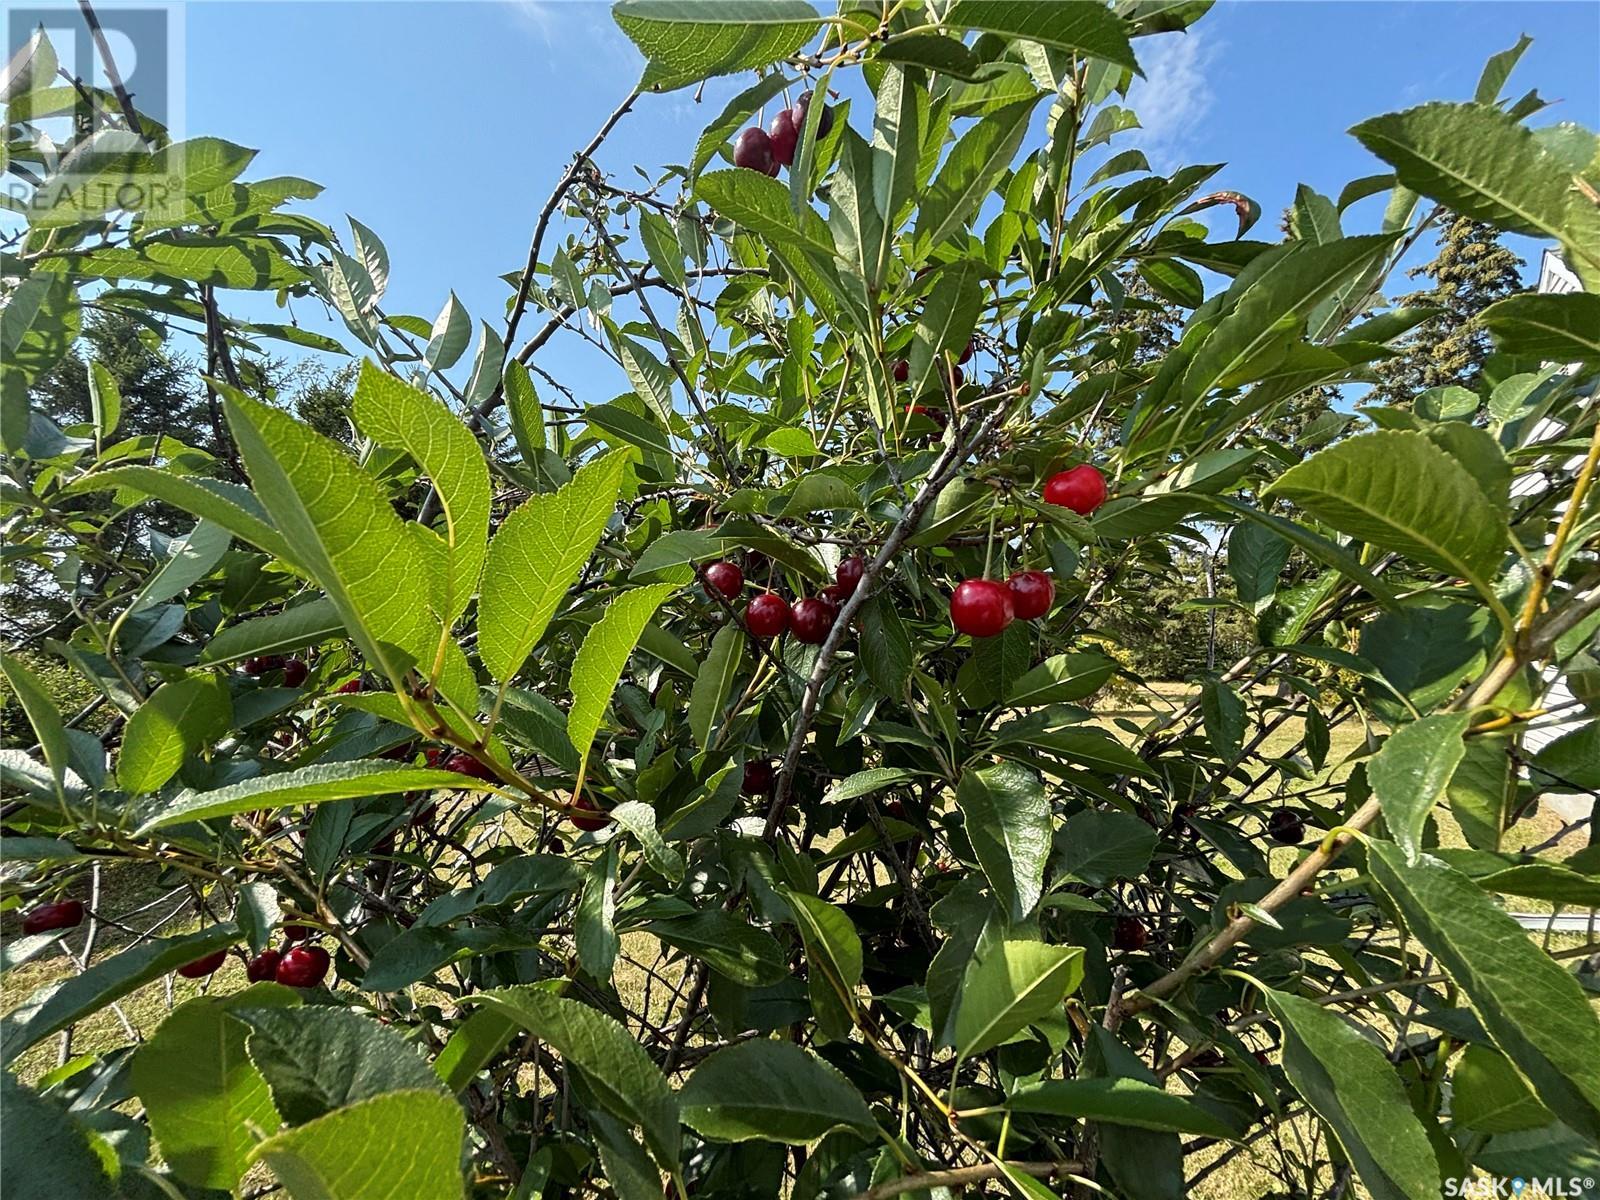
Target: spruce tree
1470,272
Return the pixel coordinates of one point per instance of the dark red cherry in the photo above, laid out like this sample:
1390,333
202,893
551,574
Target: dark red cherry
463,763
783,133
757,779
1032,593
981,607
297,933
966,354
295,672
585,805
1129,933
901,370
201,967
303,967
263,968
835,594
824,122
726,578
349,687
1082,489
1286,827
811,619
57,914
849,573
753,151
767,615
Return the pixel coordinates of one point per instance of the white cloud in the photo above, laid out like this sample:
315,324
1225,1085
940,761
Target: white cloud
1175,94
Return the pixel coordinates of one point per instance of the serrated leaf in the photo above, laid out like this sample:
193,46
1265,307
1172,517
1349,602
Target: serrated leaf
1098,848
1009,984
833,961
44,1152
864,783
1120,1101
536,556
970,172
1008,822
731,945
640,820
687,40
452,330
1555,328
760,204
773,1091
178,719
292,629
1061,678
1089,29
1411,770
605,651
713,685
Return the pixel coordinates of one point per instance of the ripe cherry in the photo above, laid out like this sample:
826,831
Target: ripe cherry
757,779
936,415
295,672
967,353
1032,593
835,594
767,615
811,619
297,933
1286,827
262,663
598,821
201,967
726,578
901,370
753,151
849,572
463,763
1129,933
263,968
555,845
1082,489
824,122
957,377
981,607
303,967
783,133
58,914
349,688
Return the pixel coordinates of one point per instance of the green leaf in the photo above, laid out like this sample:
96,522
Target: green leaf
315,784
1009,984
105,401
250,263
853,216
1497,70
738,110
1479,162
688,40
713,685
614,1065
833,961
773,1091
1349,1083
395,414
864,783
188,560
1060,678
1411,770
472,1047
605,650
1088,29
640,820
1487,1094
1399,491
341,527
207,1104
885,646
44,1152
452,330
536,556
946,324
292,629
1098,848
970,172
108,980
1120,1101
233,507
316,1059
1008,822
398,1144
761,205
525,412
179,718
42,715
1555,328
898,121
732,946
1256,558
1535,1011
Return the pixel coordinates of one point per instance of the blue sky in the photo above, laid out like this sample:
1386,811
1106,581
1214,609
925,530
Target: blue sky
443,125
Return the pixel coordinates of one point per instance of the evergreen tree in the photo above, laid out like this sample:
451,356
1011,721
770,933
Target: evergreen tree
1470,272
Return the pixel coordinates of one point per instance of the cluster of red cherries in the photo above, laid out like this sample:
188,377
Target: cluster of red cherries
294,670
985,607
462,763
769,615
901,370
770,149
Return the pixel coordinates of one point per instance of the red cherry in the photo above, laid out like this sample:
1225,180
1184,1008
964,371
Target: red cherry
753,151
957,377
1032,593
295,672
848,573
967,353
263,968
835,594
824,122
201,967
58,914
262,663
981,607
599,821
349,687
811,619
936,415
783,133
767,615
463,763
1082,489
726,578
303,967
1286,827
297,933
435,755
1129,933
901,370
555,846
757,779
